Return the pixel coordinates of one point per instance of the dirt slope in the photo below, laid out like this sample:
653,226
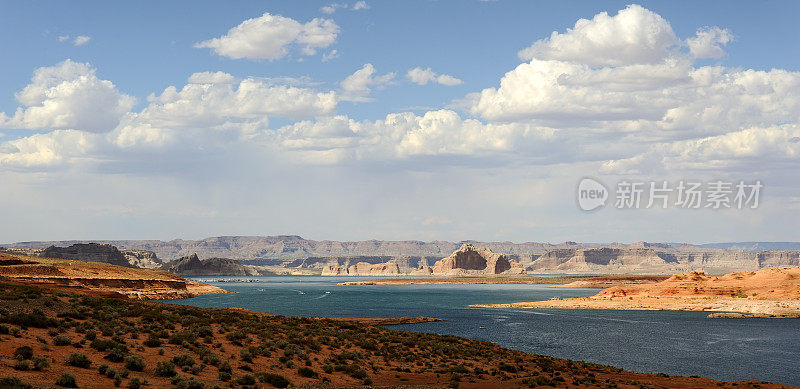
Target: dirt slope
100,278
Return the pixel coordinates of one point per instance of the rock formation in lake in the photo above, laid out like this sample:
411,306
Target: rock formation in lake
363,269
191,265
470,260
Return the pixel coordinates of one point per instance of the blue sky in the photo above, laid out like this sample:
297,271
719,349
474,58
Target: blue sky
195,168
146,46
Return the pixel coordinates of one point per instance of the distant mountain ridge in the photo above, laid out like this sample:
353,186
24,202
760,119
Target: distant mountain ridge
291,247
290,254
752,247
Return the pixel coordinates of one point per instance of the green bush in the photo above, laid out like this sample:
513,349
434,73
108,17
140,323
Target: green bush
134,362
183,360
506,367
273,379
152,341
165,369
13,383
40,363
22,365
246,355
79,360
538,381
135,383
194,384
102,369
246,379
66,380
62,340
307,372
24,352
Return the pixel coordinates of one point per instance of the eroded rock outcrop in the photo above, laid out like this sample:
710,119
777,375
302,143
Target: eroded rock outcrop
90,252
100,278
191,265
362,269
142,258
470,260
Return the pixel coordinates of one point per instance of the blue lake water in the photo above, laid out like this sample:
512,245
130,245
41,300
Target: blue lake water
684,343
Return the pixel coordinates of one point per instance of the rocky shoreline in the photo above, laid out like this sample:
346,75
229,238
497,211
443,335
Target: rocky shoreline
770,293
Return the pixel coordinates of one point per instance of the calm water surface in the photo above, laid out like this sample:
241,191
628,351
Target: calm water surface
684,343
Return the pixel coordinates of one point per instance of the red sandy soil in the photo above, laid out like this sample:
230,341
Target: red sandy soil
399,357
609,281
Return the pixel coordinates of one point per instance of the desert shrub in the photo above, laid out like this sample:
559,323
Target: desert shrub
246,355
22,365
135,383
194,384
79,360
273,379
40,363
211,359
134,362
103,344
25,320
459,369
4,330
117,355
66,380
102,369
91,335
246,379
537,381
506,367
13,383
152,341
224,376
183,360
306,372
165,369
224,367
24,352
327,369
62,340
111,372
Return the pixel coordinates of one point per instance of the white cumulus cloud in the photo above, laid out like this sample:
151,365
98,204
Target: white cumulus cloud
358,86
68,95
272,37
421,76
634,35
708,42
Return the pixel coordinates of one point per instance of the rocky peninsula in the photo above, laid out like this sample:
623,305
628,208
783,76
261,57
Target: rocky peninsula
100,278
773,293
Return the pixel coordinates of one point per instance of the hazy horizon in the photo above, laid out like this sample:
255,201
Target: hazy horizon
411,120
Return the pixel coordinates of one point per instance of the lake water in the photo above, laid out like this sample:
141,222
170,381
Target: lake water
683,343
